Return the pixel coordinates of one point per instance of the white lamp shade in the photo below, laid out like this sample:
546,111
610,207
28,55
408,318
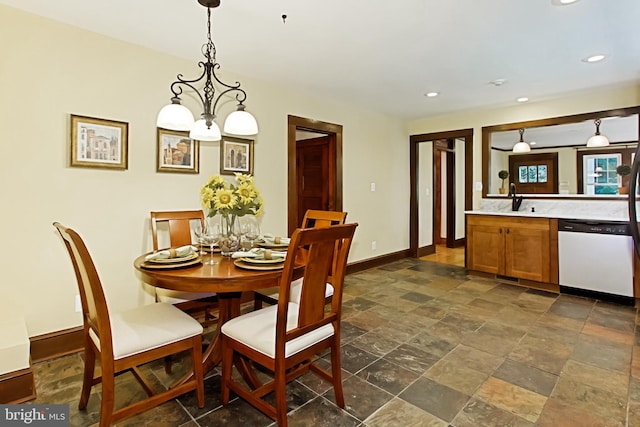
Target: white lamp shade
521,147
240,123
598,141
175,117
202,133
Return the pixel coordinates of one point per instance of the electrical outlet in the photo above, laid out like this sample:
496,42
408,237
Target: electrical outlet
374,245
78,304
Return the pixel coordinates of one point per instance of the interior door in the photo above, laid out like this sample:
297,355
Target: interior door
315,164
534,173
312,159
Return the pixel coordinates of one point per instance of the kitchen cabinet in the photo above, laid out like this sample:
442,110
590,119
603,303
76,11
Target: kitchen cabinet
512,246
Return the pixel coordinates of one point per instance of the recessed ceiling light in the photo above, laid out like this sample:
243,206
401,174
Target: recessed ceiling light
522,99
594,58
563,2
498,82
532,143
431,94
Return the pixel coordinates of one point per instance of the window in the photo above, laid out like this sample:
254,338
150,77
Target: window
532,174
599,173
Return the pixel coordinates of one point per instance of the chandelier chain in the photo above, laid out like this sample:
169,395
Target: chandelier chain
209,74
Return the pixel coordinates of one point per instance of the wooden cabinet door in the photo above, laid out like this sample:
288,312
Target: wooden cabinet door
485,247
527,251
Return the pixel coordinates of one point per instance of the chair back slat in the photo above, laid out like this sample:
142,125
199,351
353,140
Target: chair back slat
316,218
327,248
179,223
94,303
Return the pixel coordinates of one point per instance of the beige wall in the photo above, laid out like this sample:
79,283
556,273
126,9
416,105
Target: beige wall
50,70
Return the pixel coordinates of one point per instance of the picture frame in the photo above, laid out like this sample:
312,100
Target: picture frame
236,155
99,143
176,152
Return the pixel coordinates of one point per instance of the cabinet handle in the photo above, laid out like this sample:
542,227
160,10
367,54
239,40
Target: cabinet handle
507,231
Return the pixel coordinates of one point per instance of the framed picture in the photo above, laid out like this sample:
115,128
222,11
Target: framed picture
236,155
177,152
99,143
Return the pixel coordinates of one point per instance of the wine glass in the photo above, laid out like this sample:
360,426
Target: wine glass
250,229
210,236
196,227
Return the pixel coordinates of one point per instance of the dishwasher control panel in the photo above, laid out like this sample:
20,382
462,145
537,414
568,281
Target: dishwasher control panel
620,228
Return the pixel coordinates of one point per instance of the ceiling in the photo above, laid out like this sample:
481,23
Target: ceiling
386,55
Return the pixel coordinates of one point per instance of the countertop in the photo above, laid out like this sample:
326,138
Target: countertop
611,210
567,215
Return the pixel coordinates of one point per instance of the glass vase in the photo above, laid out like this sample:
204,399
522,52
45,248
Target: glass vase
229,241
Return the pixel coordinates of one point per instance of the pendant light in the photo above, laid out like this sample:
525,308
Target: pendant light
598,140
175,116
521,146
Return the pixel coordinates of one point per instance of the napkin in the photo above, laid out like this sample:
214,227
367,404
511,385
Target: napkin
180,252
271,239
245,254
258,252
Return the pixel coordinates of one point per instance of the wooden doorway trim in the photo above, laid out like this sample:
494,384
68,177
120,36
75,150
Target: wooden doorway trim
300,123
414,140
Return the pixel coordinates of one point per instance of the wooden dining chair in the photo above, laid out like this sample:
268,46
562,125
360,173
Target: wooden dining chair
312,219
179,224
284,338
125,340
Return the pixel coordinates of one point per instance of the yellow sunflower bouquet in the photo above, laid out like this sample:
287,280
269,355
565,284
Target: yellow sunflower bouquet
231,200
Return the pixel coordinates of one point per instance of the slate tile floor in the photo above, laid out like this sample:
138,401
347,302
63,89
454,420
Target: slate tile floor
426,345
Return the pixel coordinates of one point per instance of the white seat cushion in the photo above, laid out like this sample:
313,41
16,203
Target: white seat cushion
175,297
257,330
296,289
147,327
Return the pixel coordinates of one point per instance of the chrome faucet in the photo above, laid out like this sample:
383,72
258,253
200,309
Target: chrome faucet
515,200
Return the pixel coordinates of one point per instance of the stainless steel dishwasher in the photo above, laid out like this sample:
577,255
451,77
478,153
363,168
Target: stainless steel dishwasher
596,256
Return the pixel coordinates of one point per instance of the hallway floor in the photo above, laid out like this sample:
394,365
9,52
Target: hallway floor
445,255
426,345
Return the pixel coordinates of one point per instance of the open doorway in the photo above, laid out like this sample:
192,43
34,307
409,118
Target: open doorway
314,168
441,189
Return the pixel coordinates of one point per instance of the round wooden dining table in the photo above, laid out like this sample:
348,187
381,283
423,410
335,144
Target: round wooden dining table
225,279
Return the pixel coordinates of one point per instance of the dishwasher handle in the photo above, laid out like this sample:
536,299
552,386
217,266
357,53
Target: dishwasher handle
633,217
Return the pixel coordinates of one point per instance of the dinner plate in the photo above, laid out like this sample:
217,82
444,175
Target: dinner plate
176,260
160,266
240,263
262,260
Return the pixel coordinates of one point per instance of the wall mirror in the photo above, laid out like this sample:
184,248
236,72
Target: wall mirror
560,164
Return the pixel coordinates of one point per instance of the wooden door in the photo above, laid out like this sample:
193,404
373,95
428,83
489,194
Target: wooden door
444,191
534,173
314,177
527,250
437,200
485,245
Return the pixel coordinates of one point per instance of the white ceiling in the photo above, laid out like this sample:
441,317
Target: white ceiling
386,54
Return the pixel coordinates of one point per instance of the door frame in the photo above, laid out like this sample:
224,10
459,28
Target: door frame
414,141
300,123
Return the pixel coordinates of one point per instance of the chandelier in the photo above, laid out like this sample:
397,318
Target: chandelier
175,116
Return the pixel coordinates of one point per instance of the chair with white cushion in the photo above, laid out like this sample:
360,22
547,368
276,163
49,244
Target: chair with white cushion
179,224
125,340
312,218
284,338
